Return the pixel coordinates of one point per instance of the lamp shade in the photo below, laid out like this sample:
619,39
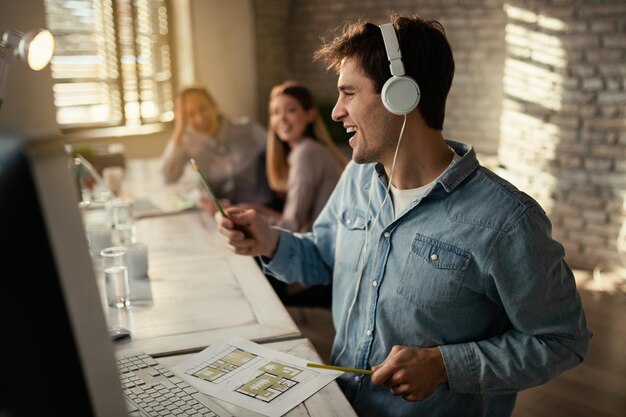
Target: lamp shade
36,48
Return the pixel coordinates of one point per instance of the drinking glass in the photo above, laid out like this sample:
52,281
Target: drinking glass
123,232
116,276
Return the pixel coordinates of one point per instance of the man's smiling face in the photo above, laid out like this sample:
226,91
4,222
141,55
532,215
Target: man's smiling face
360,109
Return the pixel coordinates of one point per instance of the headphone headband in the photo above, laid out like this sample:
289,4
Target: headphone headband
392,47
400,93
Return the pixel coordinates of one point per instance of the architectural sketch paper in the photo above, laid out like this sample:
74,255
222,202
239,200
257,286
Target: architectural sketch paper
252,376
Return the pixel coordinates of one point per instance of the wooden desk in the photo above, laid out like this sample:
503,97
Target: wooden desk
197,291
143,177
329,401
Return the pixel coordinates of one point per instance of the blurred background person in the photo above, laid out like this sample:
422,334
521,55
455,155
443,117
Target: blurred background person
304,165
230,152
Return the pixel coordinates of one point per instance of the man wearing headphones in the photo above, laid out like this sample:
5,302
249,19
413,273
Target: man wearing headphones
446,281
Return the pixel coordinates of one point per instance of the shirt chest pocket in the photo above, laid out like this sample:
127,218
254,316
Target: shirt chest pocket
433,273
350,240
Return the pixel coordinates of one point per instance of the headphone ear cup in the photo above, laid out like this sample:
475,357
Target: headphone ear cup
400,95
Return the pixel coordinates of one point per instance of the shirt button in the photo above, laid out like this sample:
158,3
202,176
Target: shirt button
356,378
348,221
386,234
374,283
369,332
434,257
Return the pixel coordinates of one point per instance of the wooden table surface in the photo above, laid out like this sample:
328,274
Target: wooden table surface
196,290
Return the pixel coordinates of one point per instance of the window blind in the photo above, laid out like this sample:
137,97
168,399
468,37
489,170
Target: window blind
111,65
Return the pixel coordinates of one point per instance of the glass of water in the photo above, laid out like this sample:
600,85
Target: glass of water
123,233
116,276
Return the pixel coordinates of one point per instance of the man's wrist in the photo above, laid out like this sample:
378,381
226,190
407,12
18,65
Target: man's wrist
442,374
273,245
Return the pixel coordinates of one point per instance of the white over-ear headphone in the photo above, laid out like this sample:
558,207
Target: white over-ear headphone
400,93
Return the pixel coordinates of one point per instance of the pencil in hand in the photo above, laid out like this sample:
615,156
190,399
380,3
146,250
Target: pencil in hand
195,166
340,368
207,187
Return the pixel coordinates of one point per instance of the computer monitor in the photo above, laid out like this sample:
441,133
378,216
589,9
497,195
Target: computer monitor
55,354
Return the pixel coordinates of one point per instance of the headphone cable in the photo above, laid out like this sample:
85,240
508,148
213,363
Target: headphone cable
367,238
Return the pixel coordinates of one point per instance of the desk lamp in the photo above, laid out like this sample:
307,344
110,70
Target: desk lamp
34,47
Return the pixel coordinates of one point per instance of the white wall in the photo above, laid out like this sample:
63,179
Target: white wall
182,42
28,100
224,53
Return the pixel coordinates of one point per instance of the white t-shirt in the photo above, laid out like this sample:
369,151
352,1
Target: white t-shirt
402,198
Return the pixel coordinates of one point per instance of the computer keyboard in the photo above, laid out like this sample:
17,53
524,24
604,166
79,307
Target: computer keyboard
153,390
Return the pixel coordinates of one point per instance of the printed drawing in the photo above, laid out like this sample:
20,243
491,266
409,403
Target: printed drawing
275,379
224,365
269,380
252,376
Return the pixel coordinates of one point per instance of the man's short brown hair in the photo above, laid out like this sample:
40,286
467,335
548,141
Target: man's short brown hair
426,55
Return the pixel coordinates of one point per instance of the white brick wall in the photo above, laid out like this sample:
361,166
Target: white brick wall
587,169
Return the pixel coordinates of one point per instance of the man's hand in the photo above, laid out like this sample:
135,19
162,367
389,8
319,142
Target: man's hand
248,233
206,203
414,373
271,215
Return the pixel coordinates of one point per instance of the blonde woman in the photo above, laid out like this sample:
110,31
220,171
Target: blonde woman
230,152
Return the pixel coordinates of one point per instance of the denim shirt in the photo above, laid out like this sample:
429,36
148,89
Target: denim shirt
471,268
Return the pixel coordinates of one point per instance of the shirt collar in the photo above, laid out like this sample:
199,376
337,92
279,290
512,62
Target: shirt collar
456,173
462,168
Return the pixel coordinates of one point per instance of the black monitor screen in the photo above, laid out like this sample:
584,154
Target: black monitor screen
55,356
